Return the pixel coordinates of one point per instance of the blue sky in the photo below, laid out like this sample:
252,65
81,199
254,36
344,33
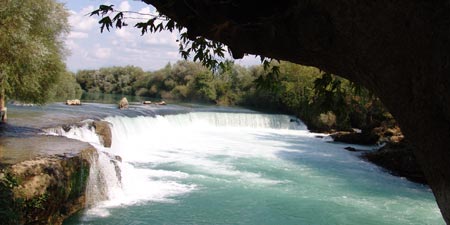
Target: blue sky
90,49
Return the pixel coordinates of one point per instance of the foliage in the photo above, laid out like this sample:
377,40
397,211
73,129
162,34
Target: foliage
117,80
37,202
31,48
8,212
322,100
319,99
66,87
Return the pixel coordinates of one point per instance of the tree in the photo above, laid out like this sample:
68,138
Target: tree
398,49
31,48
203,85
65,88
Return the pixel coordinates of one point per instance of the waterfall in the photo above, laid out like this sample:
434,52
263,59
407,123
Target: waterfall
104,180
237,120
221,167
113,182
206,120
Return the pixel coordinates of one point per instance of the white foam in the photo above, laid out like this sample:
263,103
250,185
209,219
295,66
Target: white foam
84,133
199,140
200,144
168,156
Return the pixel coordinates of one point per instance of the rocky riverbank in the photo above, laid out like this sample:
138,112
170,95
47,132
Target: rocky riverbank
396,156
45,189
43,179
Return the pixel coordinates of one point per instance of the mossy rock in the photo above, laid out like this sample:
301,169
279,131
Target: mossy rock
45,190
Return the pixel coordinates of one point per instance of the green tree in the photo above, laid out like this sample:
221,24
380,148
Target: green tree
112,80
203,86
66,88
31,48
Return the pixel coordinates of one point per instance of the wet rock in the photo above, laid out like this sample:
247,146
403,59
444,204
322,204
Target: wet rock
398,158
123,104
364,138
73,102
161,103
44,190
117,170
350,149
66,128
103,130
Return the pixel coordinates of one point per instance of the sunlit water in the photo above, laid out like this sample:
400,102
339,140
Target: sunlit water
243,168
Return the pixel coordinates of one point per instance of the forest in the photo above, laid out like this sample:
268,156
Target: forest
323,101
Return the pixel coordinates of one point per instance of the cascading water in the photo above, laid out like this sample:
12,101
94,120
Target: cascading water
105,184
104,177
242,168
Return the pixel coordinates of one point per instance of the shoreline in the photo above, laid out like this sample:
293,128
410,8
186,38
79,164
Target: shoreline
396,156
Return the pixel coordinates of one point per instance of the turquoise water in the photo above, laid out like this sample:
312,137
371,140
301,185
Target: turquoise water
241,168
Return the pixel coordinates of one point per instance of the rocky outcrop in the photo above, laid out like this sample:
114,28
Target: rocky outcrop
73,102
161,103
103,130
365,138
398,158
45,190
123,104
383,133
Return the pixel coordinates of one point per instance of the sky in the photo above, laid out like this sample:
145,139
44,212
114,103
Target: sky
90,49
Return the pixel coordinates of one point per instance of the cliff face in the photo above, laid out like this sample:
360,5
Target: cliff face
45,190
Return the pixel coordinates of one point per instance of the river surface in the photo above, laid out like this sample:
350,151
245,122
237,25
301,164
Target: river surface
209,165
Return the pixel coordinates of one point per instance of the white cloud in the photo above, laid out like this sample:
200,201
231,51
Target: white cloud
103,53
71,45
91,49
147,11
134,51
173,54
249,60
77,35
124,6
86,10
124,33
163,38
81,21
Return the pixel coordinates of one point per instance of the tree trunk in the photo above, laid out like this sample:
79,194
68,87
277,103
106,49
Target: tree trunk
398,49
3,109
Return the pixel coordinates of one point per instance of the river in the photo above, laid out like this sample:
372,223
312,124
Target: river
209,165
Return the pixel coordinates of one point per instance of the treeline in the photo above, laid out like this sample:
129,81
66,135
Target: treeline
322,100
